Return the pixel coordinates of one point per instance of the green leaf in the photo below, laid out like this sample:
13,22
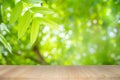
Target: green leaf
3,27
16,12
24,23
42,10
5,43
48,22
34,30
33,1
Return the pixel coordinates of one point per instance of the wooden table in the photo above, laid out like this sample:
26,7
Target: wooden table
59,72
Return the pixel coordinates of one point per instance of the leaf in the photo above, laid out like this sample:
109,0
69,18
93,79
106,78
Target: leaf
34,30
42,10
49,22
5,43
16,12
3,27
24,23
33,1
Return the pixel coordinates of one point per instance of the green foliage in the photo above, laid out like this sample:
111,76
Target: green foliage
2,38
33,1
34,30
61,32
41,10
16,12
5,43
24,23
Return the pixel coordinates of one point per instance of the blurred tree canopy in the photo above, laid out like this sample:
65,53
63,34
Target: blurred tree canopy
59,32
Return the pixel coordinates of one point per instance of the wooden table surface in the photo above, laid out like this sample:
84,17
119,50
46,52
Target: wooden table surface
59,72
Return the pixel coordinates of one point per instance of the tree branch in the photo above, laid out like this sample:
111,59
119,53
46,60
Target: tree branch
40,57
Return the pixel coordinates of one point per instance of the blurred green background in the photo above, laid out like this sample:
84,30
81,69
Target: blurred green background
71,32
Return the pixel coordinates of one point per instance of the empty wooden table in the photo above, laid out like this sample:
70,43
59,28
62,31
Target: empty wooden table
59,72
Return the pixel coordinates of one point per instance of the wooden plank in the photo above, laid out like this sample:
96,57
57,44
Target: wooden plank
59,72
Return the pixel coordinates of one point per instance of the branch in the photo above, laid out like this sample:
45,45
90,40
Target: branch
40,57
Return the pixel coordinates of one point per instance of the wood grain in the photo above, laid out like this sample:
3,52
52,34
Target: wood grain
59,72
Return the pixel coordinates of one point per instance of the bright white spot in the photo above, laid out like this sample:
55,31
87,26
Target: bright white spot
95,21
4,32
5,53
8,15
38,15
68,43
37,5
17,1
70,32
41,42
45,54
115,30
89,23
61,28
62,35
67,36
8,9
46,29
3,27
118,21
55,32
111,34
25,9
104,38
91,50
